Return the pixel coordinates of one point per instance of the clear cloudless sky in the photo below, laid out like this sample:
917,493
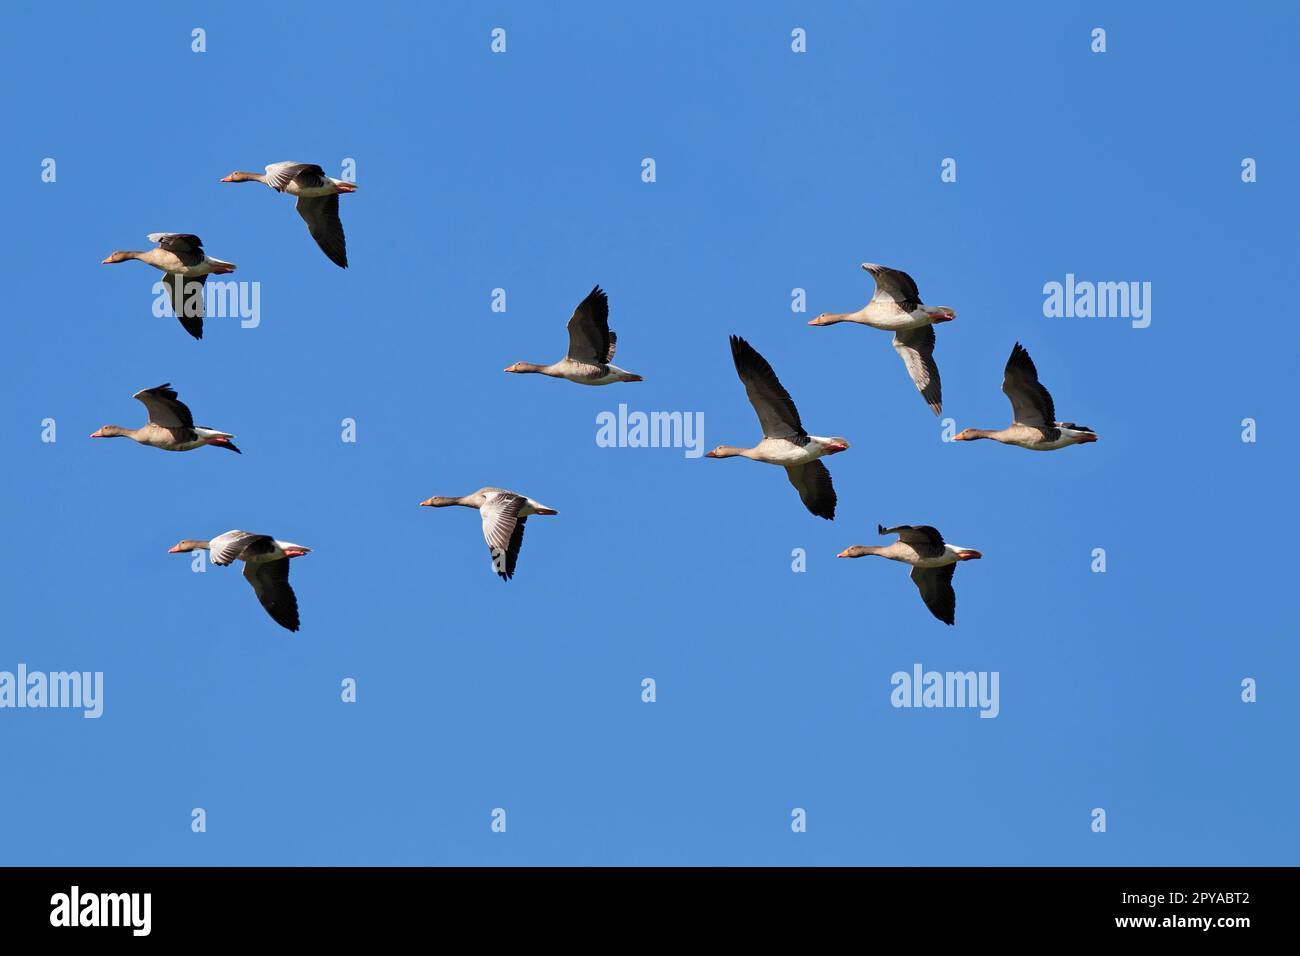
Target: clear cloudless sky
775,171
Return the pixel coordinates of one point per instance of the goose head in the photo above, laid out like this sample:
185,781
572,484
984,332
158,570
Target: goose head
856,551
725,451
115,257
189,544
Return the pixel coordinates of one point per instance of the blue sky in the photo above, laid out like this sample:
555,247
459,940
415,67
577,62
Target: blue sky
775,171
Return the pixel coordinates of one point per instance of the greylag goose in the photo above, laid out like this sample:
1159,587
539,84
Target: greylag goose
185,268
1033,413
318,201
896,307
503,513
170,427
932,561
591,347
266,568
785,442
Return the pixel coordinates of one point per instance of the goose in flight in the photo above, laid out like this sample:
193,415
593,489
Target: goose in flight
318,201
266,568
185,268
591,347
503,513
896,307
170,427
785,442
1034,425
933,563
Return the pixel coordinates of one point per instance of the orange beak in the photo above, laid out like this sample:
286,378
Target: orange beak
174,550
968,555
428,502
345,187
227,179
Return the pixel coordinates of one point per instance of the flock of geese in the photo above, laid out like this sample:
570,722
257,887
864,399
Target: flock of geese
186,267
895,307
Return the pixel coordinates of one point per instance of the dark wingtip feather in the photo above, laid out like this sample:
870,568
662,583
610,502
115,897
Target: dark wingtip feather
744,354
1020,357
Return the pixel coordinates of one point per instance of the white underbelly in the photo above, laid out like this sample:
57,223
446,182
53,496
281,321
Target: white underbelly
778,451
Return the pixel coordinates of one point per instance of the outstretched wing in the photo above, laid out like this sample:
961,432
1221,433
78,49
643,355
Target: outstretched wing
503,530
813,482
187,300
590,340
164,407
776,411
924,539
232,545
270,581
894,286
916,347
280,175
321,213
935,585
1031,403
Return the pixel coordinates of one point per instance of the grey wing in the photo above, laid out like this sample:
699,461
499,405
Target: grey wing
164,407
590,340
916,347
280,175
322,217
270,581
187,300
813,482
894,285
232,545
185,246
935,585
776,410
500,519
1031,403
925,539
